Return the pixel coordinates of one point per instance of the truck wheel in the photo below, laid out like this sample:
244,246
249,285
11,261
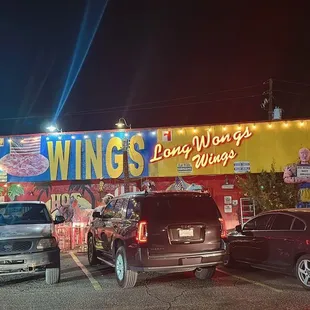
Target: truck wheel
204,273
125,278
229,261
303,271
52,275
91,252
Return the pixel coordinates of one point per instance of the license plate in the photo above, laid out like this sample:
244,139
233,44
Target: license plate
186,232
191,261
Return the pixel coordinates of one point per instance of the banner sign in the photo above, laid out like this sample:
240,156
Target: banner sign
80,156
228,149
166,152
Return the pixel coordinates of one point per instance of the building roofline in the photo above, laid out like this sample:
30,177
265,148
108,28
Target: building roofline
154,128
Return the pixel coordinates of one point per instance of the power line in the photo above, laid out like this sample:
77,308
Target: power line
162,106
287,92
173,99
292,82
118,109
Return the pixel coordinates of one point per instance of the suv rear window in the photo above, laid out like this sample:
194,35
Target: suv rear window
180,208
23,213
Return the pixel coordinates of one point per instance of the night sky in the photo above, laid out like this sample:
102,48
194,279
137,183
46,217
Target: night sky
148,54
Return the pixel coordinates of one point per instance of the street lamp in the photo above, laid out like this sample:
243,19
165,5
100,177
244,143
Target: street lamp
53,128
122,123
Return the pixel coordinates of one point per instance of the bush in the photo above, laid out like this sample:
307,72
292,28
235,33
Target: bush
268,190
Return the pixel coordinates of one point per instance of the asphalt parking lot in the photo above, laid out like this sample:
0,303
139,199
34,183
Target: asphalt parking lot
84,287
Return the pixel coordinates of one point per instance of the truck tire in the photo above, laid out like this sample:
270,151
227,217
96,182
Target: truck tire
125,278
52,275
204,273
91,252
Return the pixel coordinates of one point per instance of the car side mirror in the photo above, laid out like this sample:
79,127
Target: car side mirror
59,219
96,215
239,228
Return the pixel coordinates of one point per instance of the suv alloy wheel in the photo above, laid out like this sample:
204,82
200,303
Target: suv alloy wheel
125,278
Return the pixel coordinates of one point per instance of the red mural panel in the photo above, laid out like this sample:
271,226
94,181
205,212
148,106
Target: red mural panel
76,200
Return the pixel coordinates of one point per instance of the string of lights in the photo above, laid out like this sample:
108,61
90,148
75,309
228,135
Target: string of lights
216,129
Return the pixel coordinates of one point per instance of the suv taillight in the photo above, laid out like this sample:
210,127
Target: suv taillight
223,228
142,232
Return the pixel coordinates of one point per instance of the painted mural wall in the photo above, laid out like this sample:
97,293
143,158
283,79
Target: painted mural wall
76,200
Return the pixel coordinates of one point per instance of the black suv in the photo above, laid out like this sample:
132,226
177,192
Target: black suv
162,232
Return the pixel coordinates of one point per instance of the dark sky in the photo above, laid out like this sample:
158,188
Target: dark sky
153,51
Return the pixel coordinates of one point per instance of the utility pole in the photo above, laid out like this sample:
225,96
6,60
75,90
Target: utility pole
125,165
270,108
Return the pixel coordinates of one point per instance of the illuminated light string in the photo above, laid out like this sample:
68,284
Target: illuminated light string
180,131
126,134
239,127
88,29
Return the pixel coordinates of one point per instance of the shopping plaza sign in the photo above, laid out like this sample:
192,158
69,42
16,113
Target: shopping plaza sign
165,152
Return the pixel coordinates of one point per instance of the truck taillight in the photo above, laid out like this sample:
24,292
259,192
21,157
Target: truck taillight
142,232
223,228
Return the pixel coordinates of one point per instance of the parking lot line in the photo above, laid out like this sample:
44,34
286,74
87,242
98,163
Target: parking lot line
92,280
250,281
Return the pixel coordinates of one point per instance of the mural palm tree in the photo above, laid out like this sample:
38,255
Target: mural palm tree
83,187
14,191
43,188
1,191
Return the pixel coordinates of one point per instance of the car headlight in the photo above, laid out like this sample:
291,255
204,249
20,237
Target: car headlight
47,243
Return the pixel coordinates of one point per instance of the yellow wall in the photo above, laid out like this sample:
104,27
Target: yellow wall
265,143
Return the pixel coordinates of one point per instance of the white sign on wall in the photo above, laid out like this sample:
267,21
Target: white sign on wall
303,171
228,208
227,200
